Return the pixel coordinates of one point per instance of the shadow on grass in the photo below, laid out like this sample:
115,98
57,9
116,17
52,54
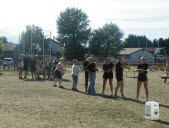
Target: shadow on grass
110,97
162,122
41,80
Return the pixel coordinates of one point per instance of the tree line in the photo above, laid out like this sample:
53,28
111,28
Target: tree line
77,38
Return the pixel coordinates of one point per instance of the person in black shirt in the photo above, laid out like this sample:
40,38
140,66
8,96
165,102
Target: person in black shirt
26,65
142,77
85,64
108,74
119,76
92,74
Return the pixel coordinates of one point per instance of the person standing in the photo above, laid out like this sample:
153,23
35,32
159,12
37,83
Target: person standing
21,66
108,74
26,65
119,76
85,65
92,75
75,72
142,78
33,66
58,73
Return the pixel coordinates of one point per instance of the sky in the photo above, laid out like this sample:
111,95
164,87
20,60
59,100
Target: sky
139,17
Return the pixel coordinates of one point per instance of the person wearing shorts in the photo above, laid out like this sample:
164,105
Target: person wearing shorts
33,66
75,72
119,76
58,73
108,74
142,77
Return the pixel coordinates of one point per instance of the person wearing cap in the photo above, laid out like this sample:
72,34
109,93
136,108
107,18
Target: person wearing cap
58,73
108,74
75,72
142,77
85,65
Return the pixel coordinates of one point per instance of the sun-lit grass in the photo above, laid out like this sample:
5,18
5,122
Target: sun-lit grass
37,104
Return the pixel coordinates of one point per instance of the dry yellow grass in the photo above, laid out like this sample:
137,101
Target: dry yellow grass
37,104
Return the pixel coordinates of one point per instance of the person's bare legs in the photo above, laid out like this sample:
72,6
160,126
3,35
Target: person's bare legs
104,84
138,88
117,88
111,85
146,88
121,88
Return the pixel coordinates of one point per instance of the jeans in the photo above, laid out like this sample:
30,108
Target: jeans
91,89
86,80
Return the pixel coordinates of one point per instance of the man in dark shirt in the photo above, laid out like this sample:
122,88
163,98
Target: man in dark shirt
85,65
142,77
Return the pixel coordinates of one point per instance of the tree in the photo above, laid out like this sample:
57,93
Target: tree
135,41
106,41
73,32
37,38
3,39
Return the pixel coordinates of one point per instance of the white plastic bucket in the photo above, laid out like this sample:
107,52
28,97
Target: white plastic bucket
152,110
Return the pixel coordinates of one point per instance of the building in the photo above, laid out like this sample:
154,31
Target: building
133,55
11,50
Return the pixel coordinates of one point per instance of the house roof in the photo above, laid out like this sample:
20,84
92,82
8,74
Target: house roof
128,51
9,46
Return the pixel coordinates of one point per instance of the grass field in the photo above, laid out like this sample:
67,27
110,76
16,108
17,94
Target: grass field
37,104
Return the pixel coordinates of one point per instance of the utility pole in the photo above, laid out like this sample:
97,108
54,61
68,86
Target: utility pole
50,46
31,42
43,47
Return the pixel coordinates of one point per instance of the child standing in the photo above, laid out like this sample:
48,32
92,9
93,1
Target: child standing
119,77
108,74
58,73
21,66
167,68
75,72
92,74
33,66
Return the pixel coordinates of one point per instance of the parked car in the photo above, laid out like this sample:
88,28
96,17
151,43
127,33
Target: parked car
7,61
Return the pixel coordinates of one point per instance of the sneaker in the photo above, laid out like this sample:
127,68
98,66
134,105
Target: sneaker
111,95
115,96
54,85
123,97
102,93
60,86
147,100
75,89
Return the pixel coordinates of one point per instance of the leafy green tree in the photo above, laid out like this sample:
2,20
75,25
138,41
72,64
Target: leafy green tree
135,41
3,39
73,32
106,41
37,38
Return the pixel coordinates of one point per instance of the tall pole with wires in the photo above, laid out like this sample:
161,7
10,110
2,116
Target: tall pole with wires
31,42
43,47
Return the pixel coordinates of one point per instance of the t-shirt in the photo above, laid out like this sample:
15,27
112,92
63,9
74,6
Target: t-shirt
75,70
108,66
119,68
143,66
85,65
26,61
21,63
92,67
33,64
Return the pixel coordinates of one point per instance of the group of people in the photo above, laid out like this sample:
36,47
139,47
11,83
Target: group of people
89,67
27,62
